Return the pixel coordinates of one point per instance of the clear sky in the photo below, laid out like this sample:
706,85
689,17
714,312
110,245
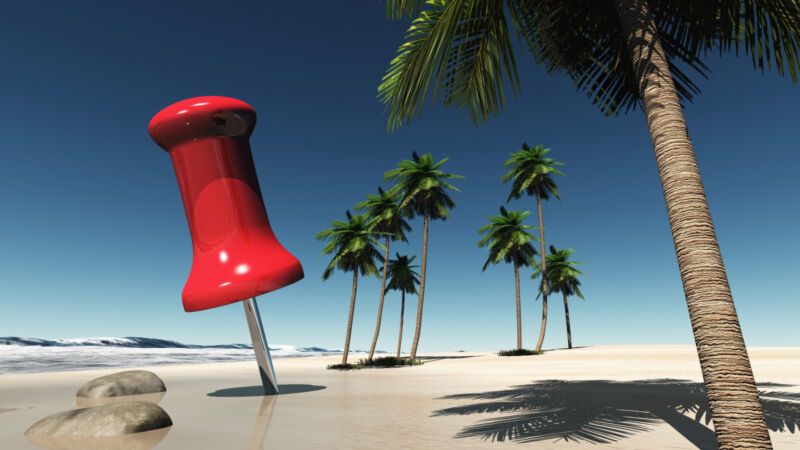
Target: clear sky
94,234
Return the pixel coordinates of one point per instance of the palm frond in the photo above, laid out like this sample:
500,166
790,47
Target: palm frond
397,9
508,239
466,46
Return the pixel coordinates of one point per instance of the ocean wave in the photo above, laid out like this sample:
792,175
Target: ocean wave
28,355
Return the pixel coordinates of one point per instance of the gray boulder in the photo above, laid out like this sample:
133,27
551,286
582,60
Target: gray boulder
109,420
130,382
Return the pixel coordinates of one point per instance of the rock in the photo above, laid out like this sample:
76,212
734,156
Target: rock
108,420
145,440
130,382
83,402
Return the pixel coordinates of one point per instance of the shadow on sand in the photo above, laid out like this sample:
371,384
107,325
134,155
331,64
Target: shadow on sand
439,358
258,391
602,412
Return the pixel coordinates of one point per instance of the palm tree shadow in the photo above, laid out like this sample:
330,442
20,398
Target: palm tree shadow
602,411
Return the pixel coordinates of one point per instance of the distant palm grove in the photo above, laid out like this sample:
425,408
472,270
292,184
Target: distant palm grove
625,54
361,243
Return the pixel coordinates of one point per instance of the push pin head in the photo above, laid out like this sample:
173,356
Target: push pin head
236,254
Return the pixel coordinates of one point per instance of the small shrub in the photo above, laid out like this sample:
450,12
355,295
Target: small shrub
518,352
389,361
344,366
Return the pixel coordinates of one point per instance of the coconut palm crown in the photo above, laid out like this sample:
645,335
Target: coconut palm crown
531,172
423,186
385,210
509,239
403,278
353,245
562,276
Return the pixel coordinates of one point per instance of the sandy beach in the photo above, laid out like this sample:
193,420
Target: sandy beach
633,397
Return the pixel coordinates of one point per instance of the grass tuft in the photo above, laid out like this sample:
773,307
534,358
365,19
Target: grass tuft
389,361
344,366
518,352
385,361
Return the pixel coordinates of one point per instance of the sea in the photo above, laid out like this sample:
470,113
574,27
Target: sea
31,355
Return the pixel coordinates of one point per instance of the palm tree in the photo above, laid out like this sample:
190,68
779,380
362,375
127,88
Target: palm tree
623,53
384,208
353,243
402,278
531,173
423,186
562,276
508,240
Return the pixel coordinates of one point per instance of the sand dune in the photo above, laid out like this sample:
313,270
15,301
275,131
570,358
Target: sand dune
637,397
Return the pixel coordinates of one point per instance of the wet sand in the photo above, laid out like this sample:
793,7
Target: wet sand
634,397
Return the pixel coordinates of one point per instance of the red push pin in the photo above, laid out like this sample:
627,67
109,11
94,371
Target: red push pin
236,254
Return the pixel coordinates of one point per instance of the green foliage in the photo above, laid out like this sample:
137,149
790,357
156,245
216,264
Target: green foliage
508,239
531,172
385,214
466,47
518,352
562,276
389,361
384,361
422,186
458,43
401,275
343,366
353,245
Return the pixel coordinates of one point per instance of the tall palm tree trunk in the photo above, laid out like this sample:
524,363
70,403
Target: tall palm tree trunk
402,308
732,394
519,312
380,304
566,313
350,318
544,275
421,286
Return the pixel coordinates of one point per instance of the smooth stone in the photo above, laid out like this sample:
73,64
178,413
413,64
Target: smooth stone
130,382
145,440
107,420
83,402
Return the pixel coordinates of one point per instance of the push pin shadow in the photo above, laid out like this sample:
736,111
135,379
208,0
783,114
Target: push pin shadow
236,256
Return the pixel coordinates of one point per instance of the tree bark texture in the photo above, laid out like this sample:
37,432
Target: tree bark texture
421,287
350,318
566,313
519,311
544,275
732,394
380,303
402,308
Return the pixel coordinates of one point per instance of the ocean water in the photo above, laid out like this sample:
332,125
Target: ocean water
30,355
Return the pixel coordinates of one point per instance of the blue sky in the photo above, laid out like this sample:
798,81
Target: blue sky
94,234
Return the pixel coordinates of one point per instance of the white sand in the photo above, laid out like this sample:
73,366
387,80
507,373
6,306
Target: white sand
218,406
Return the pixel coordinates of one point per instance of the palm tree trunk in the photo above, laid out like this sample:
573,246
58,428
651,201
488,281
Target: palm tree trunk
400,337
380,304
544,275
421,286
519,312
566,313
732,394
350,318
